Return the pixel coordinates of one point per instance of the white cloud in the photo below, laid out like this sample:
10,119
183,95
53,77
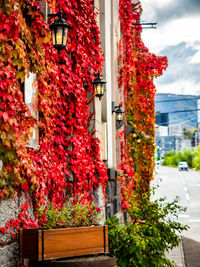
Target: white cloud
172,33
178,87
150,7
196,58
177,37
157,3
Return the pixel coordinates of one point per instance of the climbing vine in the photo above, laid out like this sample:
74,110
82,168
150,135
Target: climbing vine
68,158
139,67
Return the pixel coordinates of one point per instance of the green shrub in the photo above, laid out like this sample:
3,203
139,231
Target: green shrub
175,159
196,159
170,153
172,159
151,231
166,161
188,156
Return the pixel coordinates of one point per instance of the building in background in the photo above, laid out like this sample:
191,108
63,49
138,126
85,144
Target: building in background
162,119
176,106
173,119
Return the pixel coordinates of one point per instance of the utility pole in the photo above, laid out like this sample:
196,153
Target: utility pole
174,144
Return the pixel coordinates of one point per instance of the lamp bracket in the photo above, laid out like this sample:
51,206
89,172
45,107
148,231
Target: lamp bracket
114,107
97,74
52,15
59,14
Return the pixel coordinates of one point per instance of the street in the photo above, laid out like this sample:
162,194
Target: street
185,185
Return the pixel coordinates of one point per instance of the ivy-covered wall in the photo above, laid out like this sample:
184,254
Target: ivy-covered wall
67,160
139,67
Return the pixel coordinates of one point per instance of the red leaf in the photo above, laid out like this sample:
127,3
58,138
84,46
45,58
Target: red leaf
5,116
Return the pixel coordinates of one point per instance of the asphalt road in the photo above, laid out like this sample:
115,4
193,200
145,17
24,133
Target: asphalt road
185,185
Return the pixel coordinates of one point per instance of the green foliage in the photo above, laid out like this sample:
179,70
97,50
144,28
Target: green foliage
188,156
170,153
151,231
196,159
72,214
192,158
172,159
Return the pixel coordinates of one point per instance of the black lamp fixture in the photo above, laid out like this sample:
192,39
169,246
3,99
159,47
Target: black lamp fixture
134,133
59,31
129,130
99,86
119,112
138,139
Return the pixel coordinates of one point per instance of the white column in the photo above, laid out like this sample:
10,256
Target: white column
108,73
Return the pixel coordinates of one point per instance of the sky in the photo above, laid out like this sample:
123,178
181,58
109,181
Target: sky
176,36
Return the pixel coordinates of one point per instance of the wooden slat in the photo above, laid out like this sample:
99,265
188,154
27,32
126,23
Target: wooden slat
40,245
30,244
21,244
76,241
106,239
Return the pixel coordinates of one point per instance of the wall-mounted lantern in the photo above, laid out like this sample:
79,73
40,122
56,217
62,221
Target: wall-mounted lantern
129,130
119,112
99,86
59,31
134,132
135,136
138,139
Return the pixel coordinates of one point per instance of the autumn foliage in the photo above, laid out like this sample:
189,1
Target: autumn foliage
68,158
139,67
67,161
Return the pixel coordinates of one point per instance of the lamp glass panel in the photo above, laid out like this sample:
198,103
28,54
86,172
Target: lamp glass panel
99,89
53,36
119,116
66,30
59,36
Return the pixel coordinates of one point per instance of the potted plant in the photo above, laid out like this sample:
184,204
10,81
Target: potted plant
66,232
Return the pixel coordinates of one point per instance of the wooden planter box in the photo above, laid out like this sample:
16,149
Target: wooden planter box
39,244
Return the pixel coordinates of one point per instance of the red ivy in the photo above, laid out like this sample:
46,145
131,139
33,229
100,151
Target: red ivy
139,67
67,151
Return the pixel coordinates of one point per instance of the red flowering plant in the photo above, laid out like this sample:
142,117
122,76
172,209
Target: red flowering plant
67,161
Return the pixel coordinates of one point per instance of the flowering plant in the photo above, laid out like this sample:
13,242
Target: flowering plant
71,214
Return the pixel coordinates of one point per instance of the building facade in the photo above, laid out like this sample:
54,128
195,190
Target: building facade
103,123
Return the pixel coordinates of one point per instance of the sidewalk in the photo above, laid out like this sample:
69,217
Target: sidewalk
177,256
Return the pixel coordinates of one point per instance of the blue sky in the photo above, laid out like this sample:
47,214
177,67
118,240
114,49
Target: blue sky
177,36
